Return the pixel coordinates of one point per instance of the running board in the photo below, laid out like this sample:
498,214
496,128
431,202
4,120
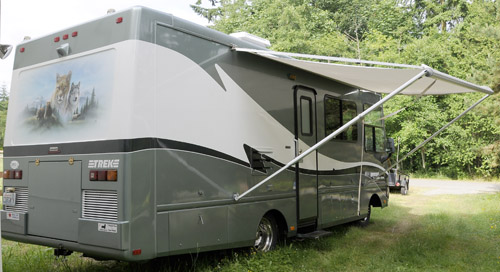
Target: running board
315,235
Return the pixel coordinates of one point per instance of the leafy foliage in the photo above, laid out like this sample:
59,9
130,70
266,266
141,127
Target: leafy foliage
458,37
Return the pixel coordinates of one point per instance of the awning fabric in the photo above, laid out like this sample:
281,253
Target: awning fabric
377,79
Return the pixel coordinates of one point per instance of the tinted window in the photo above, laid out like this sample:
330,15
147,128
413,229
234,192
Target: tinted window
337,113
374,130
306,115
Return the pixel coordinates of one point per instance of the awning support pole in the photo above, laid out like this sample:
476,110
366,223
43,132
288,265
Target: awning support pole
334,134
441,129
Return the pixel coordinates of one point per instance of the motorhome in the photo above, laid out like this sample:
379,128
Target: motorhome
140,134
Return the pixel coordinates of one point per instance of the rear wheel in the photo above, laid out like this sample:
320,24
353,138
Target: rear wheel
267,234
366,220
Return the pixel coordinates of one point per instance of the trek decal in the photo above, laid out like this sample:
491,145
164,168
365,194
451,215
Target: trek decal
104,163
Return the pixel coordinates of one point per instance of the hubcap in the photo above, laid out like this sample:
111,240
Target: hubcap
264,236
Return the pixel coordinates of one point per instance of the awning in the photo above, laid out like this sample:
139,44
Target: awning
378,79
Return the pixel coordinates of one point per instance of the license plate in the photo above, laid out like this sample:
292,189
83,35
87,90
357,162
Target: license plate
9,199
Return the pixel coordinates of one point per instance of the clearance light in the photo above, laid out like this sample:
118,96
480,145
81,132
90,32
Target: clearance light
57,39
74,34
65,36
119,20
136,252
21,50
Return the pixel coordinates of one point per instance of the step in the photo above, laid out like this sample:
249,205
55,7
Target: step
316,235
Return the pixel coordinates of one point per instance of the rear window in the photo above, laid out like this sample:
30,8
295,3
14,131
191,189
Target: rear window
63,101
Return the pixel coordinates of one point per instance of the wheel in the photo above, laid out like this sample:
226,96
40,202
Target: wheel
404,189
266,237
366,220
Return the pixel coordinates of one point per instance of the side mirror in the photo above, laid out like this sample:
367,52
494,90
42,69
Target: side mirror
390,148
5,50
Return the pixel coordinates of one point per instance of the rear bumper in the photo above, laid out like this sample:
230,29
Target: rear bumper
95,238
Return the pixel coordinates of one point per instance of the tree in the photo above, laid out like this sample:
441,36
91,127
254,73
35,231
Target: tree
458,37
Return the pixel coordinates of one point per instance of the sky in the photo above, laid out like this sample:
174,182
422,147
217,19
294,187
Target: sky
37,18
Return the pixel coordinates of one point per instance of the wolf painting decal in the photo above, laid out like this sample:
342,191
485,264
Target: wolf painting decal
64,97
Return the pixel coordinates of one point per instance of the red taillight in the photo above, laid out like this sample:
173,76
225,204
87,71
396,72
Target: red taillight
119,20
12,174
57,39
136,252
74,34
103,175
397,184
18,174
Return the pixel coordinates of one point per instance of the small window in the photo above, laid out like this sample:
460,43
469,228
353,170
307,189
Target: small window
368,138
374,130
306,116
337,113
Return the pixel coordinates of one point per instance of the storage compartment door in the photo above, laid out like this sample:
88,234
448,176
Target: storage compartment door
54,199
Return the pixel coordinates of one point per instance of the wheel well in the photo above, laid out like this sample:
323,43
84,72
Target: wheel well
375,201
281,221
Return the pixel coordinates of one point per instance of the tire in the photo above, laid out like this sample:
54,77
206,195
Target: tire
404,189
266,236
366,220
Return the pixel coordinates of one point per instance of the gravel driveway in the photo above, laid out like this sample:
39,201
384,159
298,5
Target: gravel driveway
451,187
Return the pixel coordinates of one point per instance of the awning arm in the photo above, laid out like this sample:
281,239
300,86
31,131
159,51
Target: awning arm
440,130
457,81
237,197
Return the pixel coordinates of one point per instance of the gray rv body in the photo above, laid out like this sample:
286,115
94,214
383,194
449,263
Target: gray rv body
175,186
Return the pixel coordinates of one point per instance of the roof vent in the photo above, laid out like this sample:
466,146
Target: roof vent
244,36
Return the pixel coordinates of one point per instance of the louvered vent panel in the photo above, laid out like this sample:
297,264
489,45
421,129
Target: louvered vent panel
21,201
100,205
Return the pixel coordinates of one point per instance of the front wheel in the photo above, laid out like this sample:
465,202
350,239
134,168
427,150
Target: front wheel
267,234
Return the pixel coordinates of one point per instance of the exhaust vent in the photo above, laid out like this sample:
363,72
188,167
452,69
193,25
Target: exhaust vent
100,205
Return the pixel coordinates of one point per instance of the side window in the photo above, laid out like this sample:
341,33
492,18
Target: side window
374,130
306,116
337,113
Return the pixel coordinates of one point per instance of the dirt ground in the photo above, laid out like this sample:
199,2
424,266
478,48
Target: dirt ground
441,187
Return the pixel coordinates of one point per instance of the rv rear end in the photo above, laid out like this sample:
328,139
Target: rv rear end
78,111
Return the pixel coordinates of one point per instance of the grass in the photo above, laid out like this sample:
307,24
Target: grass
416,233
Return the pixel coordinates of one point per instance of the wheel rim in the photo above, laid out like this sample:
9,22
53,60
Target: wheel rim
264,236
367,217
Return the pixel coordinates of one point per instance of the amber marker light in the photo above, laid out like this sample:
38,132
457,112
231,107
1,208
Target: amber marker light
112,175
6,174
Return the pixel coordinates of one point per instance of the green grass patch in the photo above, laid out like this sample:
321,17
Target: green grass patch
416,233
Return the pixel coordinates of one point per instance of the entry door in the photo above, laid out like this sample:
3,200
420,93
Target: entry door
306,169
